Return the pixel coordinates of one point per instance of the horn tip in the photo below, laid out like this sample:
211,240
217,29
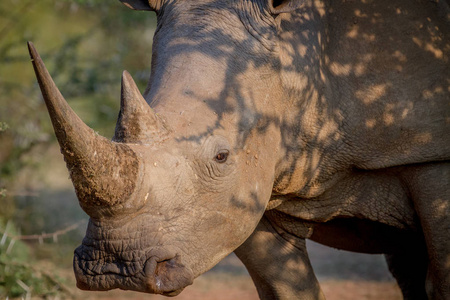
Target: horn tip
34,55
128,81
125,73
127,78
31,49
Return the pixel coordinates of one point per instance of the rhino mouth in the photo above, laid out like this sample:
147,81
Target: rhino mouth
158,271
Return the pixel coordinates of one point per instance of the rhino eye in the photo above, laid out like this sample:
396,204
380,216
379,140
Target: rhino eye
221,157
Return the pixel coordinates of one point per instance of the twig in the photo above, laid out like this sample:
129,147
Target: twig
42,236
3,240
26,288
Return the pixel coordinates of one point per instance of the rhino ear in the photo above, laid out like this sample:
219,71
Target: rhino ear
284,6
142,4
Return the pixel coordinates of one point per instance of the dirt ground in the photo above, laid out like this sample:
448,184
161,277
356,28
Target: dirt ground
242,288
343,276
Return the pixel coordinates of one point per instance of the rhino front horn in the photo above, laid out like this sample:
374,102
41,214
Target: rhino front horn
103,172
137,122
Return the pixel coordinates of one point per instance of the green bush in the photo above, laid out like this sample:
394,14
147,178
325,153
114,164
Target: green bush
18,275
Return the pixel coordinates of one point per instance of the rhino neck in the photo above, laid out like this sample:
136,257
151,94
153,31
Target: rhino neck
311,127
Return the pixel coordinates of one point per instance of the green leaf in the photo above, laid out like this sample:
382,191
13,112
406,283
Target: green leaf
3,126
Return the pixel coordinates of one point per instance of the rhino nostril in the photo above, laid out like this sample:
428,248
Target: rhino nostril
167,276
165,267
157,267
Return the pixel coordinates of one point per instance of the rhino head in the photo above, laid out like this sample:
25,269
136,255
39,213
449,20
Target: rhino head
183,184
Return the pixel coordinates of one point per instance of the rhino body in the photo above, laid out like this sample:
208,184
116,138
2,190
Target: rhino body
271,122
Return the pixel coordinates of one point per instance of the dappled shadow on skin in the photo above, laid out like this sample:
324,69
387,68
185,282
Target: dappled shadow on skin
357,106
278,264
360,79
361,84
254,206
234,57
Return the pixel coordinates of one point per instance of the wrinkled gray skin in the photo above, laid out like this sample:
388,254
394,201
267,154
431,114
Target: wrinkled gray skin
271,123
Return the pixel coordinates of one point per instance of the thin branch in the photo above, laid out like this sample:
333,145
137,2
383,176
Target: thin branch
40,237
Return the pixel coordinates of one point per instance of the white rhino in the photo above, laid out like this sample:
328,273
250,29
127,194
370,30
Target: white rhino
272,121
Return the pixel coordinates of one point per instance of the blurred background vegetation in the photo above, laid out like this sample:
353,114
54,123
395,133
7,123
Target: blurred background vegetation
85,44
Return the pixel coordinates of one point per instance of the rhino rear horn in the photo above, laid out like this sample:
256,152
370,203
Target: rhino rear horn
103,172
137,122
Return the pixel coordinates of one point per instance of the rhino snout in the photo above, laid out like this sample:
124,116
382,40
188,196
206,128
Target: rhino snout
160,271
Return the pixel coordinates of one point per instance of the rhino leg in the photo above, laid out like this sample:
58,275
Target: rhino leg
409,269
279,265
429,187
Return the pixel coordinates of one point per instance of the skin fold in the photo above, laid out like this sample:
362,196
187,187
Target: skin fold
265,123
